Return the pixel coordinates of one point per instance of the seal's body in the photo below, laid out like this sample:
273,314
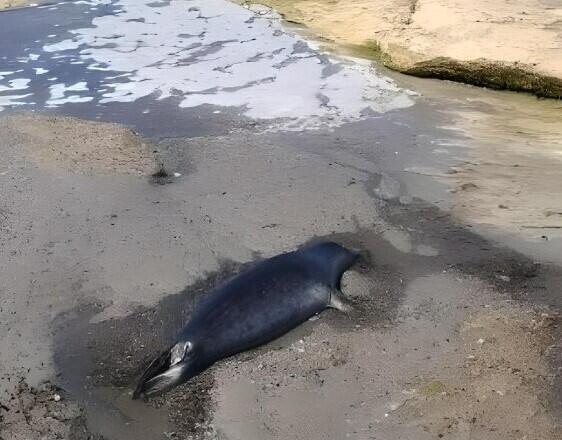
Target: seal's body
253,308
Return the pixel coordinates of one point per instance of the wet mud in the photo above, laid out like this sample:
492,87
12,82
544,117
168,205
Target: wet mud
113,354
34,413
461,249
429,286
69,144
97,361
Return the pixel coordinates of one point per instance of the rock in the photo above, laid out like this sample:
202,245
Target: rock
477,42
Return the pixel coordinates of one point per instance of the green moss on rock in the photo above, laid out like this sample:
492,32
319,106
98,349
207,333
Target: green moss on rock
482,72
491,74
372,50
433,388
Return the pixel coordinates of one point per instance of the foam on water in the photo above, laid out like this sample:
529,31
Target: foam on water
217,53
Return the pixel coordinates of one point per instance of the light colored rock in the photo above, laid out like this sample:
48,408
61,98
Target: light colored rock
7,4
514,45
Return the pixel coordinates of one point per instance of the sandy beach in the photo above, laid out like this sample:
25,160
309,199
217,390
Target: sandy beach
134,181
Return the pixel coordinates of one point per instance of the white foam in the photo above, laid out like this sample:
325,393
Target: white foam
15,84
40,70
59,94
215,52
12,100
61,46
5,74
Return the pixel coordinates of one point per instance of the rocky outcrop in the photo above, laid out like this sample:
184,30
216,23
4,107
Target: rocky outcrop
515,45
8,4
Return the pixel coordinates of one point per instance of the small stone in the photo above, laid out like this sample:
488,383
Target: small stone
56,397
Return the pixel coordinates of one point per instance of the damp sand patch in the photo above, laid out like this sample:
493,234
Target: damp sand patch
79,146
510,178
43,412
410,379
504,387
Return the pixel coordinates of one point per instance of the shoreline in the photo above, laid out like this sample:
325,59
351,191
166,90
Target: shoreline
118,217
484,73
414,40
6,5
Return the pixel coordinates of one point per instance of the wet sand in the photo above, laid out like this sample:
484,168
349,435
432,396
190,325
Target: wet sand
512,175
117,262
79,146
455,329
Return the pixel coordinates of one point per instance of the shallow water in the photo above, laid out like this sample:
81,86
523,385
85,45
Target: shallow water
192,53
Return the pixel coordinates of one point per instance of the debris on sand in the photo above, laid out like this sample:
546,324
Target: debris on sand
34,413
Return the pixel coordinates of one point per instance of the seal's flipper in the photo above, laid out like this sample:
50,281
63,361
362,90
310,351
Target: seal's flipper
164,370
159,364
178,352
338,301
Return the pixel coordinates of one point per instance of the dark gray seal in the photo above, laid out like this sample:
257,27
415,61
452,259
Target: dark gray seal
253,308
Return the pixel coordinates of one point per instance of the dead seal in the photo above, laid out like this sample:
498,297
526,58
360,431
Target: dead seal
251,309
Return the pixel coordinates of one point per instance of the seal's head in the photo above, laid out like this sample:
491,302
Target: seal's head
331,259
172,368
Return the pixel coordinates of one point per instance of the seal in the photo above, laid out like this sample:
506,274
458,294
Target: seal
251,309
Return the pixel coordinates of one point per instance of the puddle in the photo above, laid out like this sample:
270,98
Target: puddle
360,383
378,377
99,363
